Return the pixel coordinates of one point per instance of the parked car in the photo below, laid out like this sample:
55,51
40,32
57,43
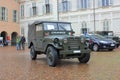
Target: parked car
110,35
96,42
56,40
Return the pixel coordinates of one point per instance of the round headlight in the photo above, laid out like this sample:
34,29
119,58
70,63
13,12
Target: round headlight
82,40
56,40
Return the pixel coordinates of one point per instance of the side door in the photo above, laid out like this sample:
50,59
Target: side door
39,37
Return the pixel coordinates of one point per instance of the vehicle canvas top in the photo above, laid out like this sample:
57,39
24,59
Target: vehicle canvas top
40,22
32,33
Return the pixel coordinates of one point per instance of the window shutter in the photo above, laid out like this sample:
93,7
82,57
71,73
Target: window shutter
31,12
17,16
39,10
44,9
22,11
100,3
51,8
13,15
6,14
111,2
89,4
36,11
0,13
60,7
79,4
69,5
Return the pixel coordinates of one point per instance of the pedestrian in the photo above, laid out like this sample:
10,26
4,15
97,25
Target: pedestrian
1,41
22,41
17,43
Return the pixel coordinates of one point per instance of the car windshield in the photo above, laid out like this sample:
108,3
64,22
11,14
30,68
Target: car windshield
110,34
57,26
97,36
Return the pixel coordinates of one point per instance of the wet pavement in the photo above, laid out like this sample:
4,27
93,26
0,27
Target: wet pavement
17,65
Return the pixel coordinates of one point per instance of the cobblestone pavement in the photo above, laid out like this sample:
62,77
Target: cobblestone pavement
17,65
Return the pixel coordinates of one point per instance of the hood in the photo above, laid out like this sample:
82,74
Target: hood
106,40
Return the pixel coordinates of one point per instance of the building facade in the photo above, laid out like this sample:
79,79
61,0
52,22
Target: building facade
85,15
9,23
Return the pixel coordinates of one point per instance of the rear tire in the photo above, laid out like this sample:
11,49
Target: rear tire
33,53
95,47
85,58
52,56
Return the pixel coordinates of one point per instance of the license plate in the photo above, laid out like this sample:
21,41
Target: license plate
76,51
112,44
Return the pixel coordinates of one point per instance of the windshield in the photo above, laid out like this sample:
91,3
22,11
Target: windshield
97,36
110,34
57,26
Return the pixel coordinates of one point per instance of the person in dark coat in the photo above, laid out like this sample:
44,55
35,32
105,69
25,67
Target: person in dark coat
23,40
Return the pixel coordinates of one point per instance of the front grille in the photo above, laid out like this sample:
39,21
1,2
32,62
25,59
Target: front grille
73,43
106,45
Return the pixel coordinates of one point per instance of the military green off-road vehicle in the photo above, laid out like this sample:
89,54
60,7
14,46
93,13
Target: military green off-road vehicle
56,40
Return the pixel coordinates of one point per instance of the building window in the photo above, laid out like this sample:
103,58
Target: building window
106,2
65,5
82,4
3,14
33,9
22,11
15,16
47,7
106,25
84,29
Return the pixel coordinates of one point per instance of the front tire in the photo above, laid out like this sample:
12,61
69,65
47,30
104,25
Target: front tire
85,58
95,47
33,53
52,56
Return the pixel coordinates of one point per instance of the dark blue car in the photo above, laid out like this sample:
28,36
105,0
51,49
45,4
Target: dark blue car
96,42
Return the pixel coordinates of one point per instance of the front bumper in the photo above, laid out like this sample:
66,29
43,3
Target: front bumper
73,53
107,46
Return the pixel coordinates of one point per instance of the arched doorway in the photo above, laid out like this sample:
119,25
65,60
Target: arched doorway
4,35
13,38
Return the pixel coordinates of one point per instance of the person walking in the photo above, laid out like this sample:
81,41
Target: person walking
17,43
1,41
23,40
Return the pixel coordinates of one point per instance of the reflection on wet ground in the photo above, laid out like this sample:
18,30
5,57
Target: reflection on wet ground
17,65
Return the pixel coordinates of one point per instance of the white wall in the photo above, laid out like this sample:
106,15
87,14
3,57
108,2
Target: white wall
77,16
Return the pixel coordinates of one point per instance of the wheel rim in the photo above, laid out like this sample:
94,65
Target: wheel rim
32,52
85,58
95,47
50,57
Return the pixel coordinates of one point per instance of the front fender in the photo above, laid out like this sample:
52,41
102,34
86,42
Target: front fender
53,45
